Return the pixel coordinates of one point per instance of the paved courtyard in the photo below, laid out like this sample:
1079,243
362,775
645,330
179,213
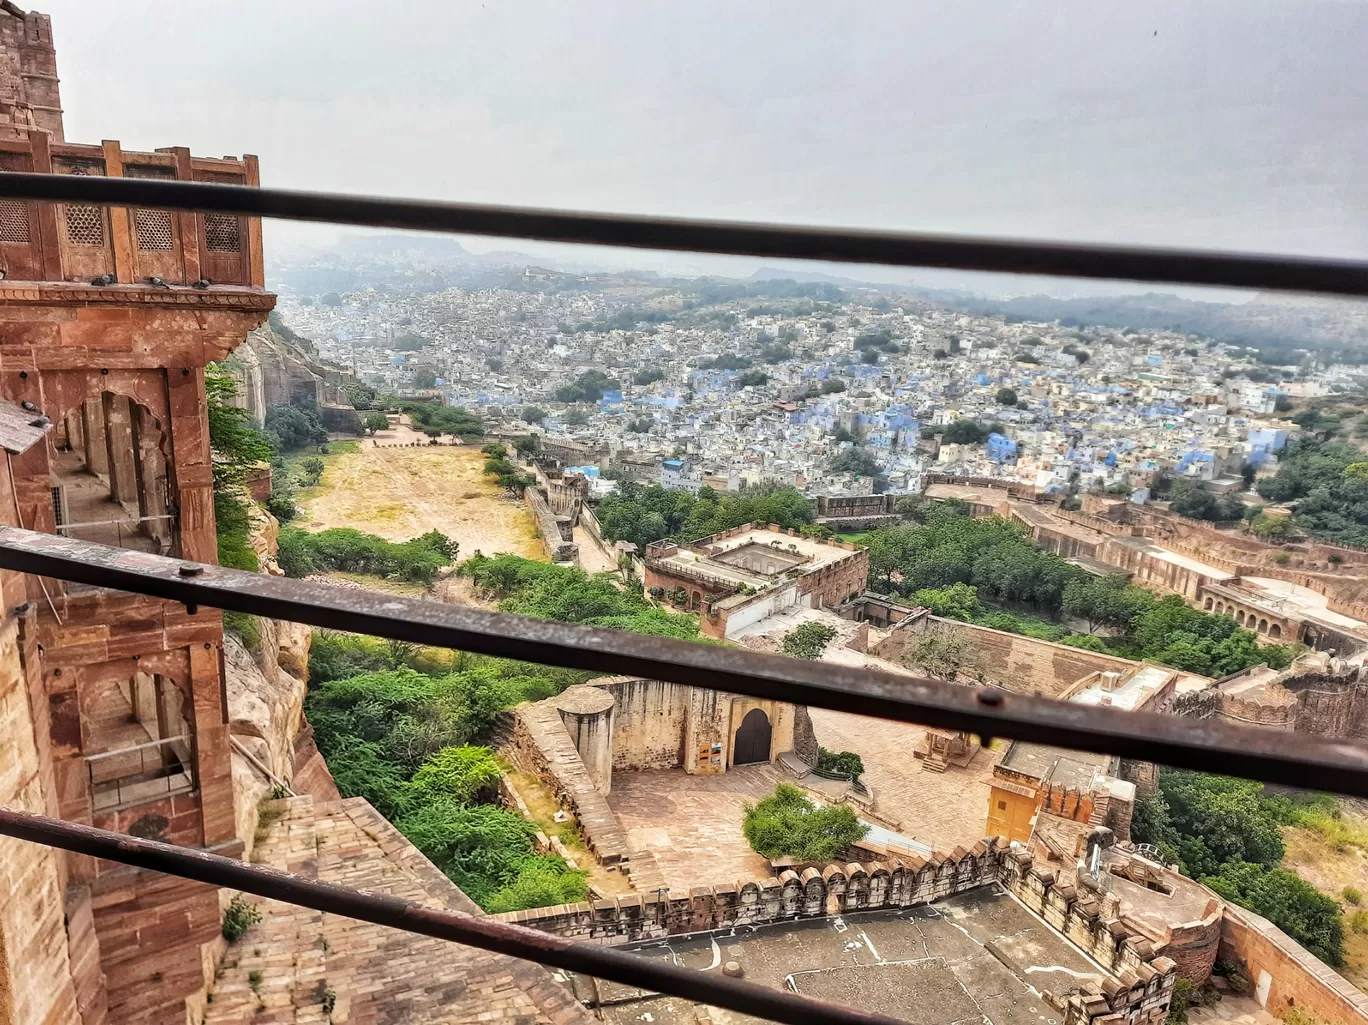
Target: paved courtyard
942,810
692,824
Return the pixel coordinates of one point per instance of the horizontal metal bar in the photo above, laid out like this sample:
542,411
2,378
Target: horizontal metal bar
806,242
1295,759
125,522
485,933
138,747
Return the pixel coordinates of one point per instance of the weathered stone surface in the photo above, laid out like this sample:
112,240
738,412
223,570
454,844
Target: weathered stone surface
274,371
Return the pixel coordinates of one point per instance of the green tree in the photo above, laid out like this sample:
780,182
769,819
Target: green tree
424,379
1289,902
957,601
533,414
859,461
833,386
311,471
808,640
238,447
1006,397
1108,601
373,423
847,763
359,395
294,426
787,824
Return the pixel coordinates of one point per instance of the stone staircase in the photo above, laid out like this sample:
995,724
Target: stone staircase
277,971
306,967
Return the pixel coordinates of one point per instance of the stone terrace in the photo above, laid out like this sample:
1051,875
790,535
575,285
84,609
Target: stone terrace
304,966
692,824
943,810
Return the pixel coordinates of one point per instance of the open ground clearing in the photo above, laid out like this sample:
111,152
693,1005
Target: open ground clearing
400,492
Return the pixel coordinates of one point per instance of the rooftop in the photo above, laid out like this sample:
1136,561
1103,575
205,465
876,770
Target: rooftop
977,957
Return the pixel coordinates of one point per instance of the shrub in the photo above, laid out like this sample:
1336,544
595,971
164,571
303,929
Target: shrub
247,628
808,640
848,763
239,917
346,549
1352,895
311,470
787,824
461,774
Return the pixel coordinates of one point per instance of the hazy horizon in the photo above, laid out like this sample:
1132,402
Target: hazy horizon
1221,125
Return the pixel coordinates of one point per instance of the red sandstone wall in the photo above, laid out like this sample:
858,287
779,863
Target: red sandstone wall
1294,976
1021,664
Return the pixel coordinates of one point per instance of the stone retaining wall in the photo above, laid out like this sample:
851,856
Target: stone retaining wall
542,746
1286,974
558,548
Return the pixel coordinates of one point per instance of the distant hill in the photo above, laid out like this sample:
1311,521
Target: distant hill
1280,328
431,244
807,278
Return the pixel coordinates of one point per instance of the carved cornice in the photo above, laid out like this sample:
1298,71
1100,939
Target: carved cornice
64,294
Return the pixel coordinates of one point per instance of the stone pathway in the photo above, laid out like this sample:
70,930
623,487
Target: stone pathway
692,824
303,966
943,810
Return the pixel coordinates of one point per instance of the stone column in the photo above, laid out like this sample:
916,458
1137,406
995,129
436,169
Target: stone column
588,716
93,431
119,441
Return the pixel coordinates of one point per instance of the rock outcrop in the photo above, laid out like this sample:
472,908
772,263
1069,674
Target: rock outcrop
266,693
275,369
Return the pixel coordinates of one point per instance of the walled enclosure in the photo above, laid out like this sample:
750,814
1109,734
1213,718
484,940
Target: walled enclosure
574,742
1018,663
1138,990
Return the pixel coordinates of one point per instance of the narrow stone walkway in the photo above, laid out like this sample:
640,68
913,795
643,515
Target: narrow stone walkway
303,966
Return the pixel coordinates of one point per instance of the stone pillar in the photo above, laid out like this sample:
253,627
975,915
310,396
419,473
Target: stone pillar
93,431
119,441
588,716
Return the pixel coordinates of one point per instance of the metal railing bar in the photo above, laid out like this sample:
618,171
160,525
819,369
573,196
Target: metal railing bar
484,933
1294,759
125,521
137,747
843,245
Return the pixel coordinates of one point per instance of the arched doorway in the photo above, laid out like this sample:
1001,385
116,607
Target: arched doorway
752,739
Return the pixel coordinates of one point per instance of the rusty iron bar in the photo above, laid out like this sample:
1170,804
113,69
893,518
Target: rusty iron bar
844,245
469,930
1294,759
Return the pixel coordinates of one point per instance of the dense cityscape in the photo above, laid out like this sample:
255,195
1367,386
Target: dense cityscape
834,390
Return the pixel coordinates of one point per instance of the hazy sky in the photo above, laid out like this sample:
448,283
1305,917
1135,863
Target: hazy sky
1214,123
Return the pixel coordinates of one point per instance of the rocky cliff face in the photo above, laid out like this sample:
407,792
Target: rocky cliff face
266,702
275,369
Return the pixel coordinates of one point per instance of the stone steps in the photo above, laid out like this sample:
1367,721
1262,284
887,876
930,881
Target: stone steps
276,972
308,968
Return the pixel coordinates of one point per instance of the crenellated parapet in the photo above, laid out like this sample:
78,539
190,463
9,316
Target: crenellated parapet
1136,989
813,892
1140,984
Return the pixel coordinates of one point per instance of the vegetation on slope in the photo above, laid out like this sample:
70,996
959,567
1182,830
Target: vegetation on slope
1328,484
642,514
1226,833
398,725
955,564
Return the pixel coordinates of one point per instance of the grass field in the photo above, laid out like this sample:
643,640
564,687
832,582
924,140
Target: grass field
399,493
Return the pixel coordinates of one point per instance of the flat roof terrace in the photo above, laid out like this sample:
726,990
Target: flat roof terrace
754,557
980,956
